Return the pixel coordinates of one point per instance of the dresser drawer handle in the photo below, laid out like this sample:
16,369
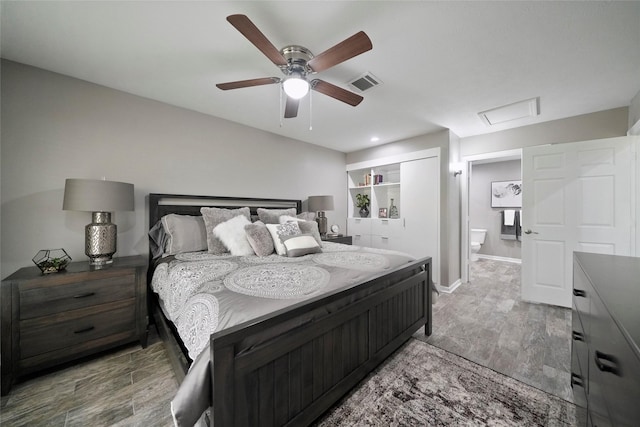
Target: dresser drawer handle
579,293
88,294
576,380
82,331
611,364
577,336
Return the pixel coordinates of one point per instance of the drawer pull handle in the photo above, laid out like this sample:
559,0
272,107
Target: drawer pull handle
577,336
82,331
88,294
576,380
611,364
579,293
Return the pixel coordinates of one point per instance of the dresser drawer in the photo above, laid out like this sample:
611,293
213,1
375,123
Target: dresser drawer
43,301
582,291
51,333
387,227
579,340
618,369
578,384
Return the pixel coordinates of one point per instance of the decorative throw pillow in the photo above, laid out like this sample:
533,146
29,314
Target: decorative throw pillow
271,216
279,230
259,238
306,227
307,216
214,216
288,218
300,244
185,233
310,227
231,233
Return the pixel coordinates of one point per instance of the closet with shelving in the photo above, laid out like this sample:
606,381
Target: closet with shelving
404,204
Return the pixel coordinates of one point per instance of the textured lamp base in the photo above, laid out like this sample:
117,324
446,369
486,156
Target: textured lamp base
321,219
100,239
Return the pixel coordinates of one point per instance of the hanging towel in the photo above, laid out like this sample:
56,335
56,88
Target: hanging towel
509,217
508,232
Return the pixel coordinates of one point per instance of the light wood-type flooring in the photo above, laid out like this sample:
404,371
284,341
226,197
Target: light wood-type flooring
484,321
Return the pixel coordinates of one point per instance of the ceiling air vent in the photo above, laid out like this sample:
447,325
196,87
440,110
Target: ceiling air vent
365,81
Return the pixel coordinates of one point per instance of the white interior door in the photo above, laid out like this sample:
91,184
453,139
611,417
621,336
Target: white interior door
576,197
420,209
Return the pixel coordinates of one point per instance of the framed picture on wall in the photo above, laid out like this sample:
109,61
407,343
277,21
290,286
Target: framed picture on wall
506,194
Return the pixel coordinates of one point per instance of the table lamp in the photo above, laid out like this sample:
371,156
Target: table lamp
100,197
320,204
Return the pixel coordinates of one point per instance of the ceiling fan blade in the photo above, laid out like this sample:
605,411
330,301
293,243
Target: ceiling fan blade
336,92
347,49
248,83
291,109
255,36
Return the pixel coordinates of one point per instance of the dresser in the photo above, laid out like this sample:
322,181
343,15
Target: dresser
605,352
59,317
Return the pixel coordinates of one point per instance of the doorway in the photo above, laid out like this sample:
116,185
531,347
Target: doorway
484,216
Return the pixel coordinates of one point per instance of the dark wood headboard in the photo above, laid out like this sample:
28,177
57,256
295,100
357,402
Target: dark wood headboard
164,204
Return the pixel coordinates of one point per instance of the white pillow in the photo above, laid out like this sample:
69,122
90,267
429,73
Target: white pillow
277,230
288,218
232,235
300,244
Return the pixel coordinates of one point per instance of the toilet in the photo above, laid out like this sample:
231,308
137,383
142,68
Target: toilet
477,239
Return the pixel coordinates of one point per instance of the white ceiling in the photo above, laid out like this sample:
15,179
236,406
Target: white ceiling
441,62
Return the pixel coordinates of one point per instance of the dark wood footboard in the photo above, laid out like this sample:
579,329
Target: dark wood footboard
291,366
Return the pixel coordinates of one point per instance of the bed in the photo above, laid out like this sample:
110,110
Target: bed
290,364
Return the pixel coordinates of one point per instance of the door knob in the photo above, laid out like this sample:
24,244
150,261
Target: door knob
530,232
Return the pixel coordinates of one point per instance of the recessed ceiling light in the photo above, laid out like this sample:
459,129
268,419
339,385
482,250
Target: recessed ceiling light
517,110
375,139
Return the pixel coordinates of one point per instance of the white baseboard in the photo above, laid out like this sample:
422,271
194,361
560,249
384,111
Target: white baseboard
449,289
500,258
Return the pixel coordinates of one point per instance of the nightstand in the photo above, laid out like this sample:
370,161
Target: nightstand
59,317
338,239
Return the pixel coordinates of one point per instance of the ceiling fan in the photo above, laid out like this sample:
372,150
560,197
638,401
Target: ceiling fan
297,62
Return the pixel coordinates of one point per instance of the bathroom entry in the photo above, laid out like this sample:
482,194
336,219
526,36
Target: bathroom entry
492,228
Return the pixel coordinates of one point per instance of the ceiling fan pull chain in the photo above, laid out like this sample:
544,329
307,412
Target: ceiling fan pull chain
310,111
281,113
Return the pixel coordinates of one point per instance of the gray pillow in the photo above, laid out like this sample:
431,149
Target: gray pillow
214,216
259,238
307,216
310,227
271,216
185,233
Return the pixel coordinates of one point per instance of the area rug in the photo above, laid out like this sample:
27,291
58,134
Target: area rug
422,385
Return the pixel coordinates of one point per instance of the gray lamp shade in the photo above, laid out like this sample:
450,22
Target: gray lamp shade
94,195
320,203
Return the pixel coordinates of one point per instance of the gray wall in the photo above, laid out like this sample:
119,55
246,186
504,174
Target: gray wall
602,124
634,113
56,127
482,215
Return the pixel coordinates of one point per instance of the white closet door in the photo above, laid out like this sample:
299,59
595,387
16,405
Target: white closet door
420,201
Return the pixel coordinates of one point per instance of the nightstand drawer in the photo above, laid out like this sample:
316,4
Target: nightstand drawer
59,331
36,302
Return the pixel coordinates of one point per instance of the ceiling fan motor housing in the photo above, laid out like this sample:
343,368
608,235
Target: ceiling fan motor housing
297,58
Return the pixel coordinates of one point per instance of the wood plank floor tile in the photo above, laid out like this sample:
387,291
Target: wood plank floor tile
486,322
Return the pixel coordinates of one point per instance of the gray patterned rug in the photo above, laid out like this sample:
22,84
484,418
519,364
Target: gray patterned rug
422,385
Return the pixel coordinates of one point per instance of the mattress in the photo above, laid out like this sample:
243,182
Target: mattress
202,293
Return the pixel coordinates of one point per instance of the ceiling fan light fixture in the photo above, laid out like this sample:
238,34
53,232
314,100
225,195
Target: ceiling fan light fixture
295,87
